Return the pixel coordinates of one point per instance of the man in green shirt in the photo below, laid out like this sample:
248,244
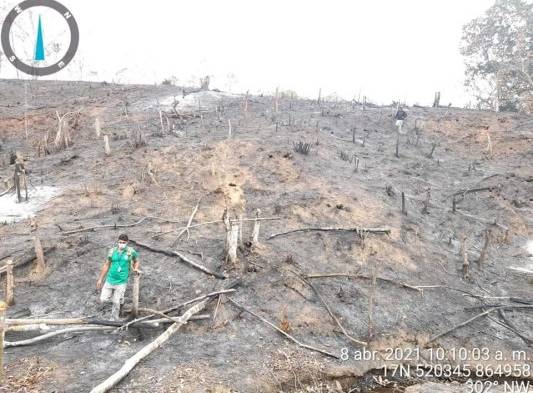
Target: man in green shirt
116,270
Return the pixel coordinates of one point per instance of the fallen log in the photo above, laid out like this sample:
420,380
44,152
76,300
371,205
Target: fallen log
175,308
158,234
34,340
77,321
27,328
182,257
150,324
474,318
358,231
161,314
469,191
28,257
287,335
114,226
62,321
362,276
315,289
148,349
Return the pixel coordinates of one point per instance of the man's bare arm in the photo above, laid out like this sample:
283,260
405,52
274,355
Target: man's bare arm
103,274
135,266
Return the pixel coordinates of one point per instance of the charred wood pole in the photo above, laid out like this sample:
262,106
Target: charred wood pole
39,254
19,178
466,263
483,254
397,154
255,231
9,293
3,309
425,209
107,147
135,294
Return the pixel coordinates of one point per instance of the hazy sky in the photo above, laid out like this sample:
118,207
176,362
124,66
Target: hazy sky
382,49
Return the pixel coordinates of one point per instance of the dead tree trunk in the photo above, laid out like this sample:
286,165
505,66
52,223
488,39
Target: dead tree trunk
485,248
107,148
241,241
257,226
454,204
3,309
19,178
10,284
135,294
398,144
436,100
97,128
233,241
430,154
489,144
40,267
425,209
16,180
466,263
356,163
148,349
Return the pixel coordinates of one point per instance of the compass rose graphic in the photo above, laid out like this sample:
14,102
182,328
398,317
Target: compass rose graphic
40,37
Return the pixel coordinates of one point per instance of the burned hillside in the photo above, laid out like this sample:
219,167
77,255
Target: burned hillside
319,217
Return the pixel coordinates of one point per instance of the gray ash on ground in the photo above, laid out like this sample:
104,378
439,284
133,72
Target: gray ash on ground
190,157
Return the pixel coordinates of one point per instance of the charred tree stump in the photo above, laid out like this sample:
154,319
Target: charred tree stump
19,178
10,284
397,154
107,147
466,263
430,154
135,294
257,226
130,364
356,163
3,309
425,209
454,204
233,240
436,100
39,254
97,127
485,248
241,241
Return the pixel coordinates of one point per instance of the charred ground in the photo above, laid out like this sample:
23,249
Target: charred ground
162,176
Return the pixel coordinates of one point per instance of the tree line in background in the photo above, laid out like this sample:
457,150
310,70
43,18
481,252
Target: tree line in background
498,50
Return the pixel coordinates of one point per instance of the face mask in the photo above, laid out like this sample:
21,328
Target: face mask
121,246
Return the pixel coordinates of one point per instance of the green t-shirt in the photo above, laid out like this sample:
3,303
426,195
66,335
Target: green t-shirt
119,269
